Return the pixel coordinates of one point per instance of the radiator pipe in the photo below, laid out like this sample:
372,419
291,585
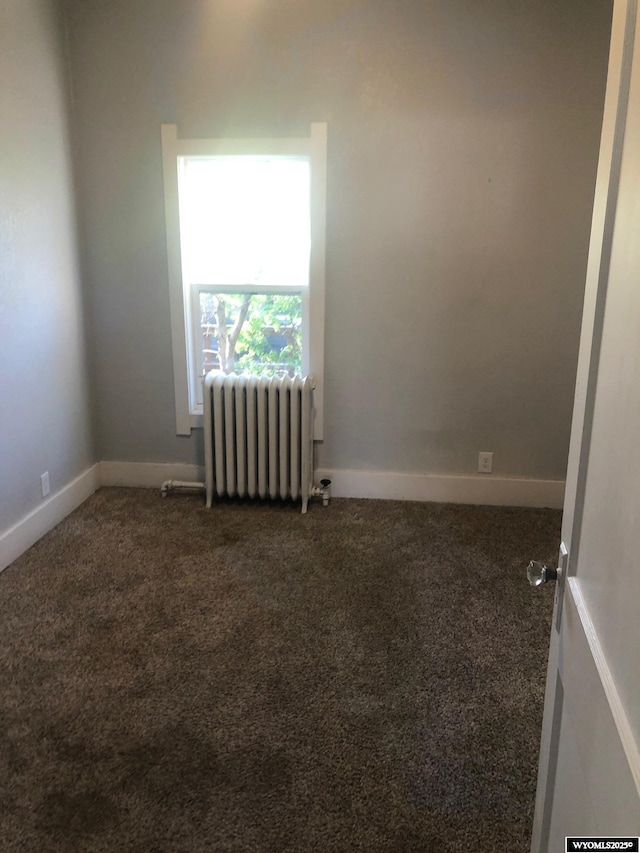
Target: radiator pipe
322,491
170,485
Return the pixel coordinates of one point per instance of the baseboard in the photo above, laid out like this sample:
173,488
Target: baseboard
483,489
148,475
384,485
17,539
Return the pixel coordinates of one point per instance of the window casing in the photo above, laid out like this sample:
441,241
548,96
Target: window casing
193,280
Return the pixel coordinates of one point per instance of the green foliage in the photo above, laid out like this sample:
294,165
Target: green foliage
270,340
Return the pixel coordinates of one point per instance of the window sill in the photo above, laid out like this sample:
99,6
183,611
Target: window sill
196,419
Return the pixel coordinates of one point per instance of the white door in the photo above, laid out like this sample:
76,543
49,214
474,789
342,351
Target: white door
589,774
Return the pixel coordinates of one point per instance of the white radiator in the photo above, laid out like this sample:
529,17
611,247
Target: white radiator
258,437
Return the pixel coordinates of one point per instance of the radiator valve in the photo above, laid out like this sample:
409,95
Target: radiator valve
326,491
322,491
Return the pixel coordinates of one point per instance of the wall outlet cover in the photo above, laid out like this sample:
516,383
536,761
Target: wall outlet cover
485,462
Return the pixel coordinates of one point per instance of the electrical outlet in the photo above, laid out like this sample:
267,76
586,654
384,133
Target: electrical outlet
485,462
44,484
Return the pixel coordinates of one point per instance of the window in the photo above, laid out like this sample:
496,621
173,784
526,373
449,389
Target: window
245,239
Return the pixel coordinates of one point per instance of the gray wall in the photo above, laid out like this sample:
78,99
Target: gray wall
462,151
44,408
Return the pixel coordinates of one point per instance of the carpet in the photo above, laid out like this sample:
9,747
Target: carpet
366,677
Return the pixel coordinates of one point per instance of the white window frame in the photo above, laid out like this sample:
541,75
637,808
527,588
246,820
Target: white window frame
182,301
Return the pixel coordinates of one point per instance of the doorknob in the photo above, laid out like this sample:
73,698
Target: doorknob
539,573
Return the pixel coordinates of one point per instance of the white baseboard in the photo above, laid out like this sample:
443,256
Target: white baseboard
148,475
483,489
17,539
384,485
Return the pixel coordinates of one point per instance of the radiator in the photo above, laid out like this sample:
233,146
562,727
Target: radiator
258,437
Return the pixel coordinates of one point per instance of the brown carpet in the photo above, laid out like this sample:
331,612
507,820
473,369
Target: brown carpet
368,677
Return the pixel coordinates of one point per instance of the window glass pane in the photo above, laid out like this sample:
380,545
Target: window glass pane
253,333
245,220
